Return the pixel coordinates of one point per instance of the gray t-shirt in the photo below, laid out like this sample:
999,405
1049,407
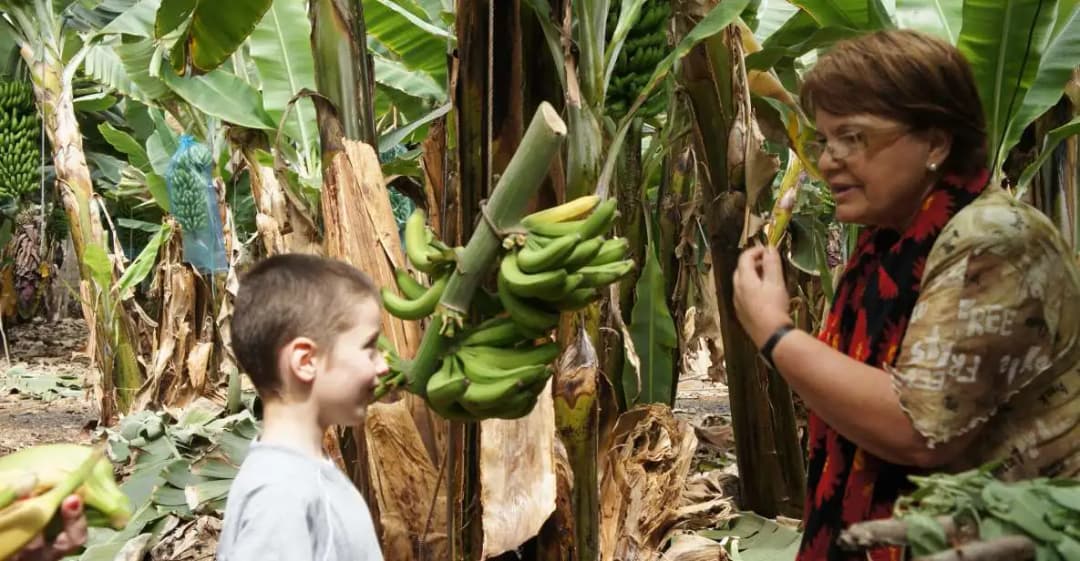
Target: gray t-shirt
287,506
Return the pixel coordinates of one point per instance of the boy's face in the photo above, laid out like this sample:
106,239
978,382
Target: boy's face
346,375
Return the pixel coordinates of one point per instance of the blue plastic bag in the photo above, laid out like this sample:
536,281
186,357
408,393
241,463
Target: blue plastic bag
193,201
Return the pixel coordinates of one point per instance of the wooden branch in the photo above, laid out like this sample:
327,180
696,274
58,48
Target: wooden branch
1008,548
891,531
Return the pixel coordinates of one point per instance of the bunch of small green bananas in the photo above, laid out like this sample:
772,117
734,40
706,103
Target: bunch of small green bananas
35,481
495,372
560,262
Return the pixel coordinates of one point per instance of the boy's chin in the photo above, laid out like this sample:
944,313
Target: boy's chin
351,417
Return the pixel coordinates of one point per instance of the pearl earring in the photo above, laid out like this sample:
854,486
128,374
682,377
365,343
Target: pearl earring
932,166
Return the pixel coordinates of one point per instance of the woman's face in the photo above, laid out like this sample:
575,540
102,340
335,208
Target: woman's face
877,168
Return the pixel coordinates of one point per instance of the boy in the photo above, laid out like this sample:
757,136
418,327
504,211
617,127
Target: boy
304,329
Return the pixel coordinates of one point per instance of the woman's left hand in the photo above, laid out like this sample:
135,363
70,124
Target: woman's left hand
761,297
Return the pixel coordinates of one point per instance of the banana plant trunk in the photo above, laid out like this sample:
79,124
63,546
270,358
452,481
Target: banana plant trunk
769,457
114,345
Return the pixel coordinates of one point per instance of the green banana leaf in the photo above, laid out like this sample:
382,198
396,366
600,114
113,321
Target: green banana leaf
222,95
144,263
136,59
855,14
394,74
1056,65
1004,42
396,136
1052,139
652,331
280,47
772,14
215,28
420,44
127,145
939,17
138,21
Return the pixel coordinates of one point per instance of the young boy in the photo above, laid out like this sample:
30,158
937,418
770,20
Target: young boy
304,329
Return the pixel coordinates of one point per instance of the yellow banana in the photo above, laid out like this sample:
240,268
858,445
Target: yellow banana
567,211
23,520
52,463
596,224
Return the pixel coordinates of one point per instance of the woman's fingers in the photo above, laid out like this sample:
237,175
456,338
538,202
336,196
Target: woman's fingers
772,270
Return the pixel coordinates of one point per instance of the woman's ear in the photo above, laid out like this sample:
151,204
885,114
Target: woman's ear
940,146
299,357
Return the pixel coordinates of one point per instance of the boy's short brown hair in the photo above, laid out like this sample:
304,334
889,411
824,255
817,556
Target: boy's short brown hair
288,296
908,76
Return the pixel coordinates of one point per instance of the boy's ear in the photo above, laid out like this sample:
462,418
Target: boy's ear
299,357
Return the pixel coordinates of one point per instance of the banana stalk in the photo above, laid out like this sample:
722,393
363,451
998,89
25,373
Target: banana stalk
508,203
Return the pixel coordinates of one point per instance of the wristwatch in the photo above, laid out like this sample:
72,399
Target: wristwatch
770,344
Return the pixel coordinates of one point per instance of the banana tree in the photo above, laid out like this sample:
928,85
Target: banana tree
44,46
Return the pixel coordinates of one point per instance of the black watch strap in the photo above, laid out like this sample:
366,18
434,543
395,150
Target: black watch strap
770,344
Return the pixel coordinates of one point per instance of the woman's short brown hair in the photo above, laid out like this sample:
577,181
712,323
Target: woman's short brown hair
907,76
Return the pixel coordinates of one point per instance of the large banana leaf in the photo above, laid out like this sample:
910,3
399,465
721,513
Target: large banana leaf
419,43
1055,70
396,75
281,49
215,28
105,66
127,145
224,96
136,58
653,333
1004,42
939,17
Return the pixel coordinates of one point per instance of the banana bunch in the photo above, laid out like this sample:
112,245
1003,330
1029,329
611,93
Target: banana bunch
645,46
188,181
34,482
496,372
429,255
560,263
20,135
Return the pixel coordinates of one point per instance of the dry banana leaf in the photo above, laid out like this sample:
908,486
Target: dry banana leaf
690,547
517,477
412,506
643,481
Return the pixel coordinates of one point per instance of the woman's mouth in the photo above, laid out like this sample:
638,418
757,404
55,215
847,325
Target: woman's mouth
839,191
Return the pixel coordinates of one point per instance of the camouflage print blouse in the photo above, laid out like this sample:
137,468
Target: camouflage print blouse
994,341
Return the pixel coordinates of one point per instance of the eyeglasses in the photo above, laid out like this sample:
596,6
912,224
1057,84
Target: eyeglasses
851,143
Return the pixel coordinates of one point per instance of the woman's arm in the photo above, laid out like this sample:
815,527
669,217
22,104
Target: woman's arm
855,399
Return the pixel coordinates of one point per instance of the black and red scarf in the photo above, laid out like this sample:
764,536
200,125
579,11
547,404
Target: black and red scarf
874,300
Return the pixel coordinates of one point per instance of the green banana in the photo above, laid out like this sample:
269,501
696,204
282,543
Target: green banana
482,395
416,242
526,284
447,384
497,332
577,299
410,287
52,463
514,407
479,372
600,275
535,258
561,213
613,250
415,308
572,282
583,253
508,359
532,322
596,224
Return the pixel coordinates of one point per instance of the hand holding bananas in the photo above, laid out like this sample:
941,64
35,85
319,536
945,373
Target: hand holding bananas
556,261
35,481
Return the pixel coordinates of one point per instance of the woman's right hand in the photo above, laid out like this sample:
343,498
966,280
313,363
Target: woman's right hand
68,541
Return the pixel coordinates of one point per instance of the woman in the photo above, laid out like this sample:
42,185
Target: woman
953,337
